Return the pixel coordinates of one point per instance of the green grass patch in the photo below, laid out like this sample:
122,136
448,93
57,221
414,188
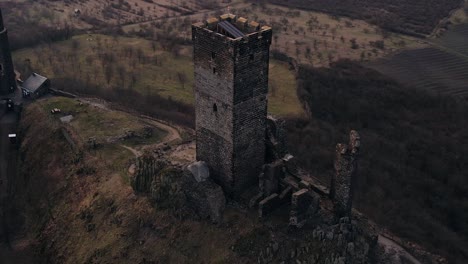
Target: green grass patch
92,121
282,97
116,158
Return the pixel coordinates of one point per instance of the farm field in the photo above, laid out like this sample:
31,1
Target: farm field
456,39
441,68
98,13
417,17
32,22
430,68
310,37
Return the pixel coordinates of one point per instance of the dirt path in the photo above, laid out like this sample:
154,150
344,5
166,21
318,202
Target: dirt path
172,132
172,135
396,251
134,151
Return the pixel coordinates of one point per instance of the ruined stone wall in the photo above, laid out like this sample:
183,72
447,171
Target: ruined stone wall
231,86
345,172
7,72
276,146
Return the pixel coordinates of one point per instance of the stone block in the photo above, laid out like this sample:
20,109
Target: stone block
300,204
291,181
66,119
315,204
304,185
272,174
255,200
206,198
301,200
199,170
286,193
268,205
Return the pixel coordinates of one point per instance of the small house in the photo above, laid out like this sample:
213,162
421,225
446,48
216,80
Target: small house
35,86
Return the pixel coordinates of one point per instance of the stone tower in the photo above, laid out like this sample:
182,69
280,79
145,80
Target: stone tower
231,57
7,72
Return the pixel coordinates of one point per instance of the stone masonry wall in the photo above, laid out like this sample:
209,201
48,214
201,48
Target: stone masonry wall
345,172
213,103
231,86
250,111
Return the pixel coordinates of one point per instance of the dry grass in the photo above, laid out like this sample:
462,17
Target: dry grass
460,16
92,121
282,95
98,219
159,72
310,37
97,12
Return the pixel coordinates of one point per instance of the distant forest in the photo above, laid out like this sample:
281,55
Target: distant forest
412,173
413,17
24,31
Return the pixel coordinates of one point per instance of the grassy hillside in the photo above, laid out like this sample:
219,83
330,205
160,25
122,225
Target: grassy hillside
138,66
308,36
95,217
412,173
93,121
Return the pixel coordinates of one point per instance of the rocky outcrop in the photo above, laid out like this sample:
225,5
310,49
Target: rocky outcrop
147,170
205,197
199,170
145,132
186,192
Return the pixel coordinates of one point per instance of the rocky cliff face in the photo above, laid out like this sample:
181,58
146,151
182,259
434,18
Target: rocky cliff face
178,189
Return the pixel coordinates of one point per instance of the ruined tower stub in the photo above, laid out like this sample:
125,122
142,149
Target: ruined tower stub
342,183
231,57
7,72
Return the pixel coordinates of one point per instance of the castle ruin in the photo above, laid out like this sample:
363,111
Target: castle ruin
342,183
7,71
242,146
231,57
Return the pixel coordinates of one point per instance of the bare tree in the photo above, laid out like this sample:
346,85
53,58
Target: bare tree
109,72
182,78
122,72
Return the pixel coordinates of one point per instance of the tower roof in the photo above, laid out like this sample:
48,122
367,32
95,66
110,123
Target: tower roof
232,27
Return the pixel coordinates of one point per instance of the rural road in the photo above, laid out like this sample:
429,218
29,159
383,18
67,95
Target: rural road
396,251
